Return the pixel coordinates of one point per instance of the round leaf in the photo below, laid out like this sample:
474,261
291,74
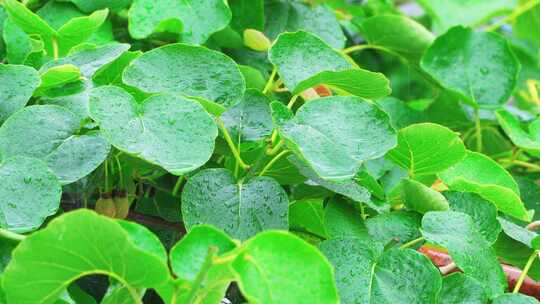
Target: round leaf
166,130
187,70
427,148
241,209
478,66
49,133
271,265
29,193
336,134
17,83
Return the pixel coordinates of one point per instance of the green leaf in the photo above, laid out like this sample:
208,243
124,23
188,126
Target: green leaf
336,134
399,34
250,119
27,20
199,18
29,193
89,6
460,288
458,233
307,215
401,114
349,188
17,83
479,174
513,298
516,232
188,255
81,243
272,263
477,66
242,209
58,76
79,29
247,14
20,47
166,130
521,138
446,14
50,133
398,226
358,82
188,70
364,274
341,219
90,60
525,23
300,55
483,212
427,148
421,198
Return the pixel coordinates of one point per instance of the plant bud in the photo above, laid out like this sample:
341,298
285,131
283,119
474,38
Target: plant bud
256,40
105,206
122,205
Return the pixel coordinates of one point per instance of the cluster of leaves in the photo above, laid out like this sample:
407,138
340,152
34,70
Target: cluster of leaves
308,148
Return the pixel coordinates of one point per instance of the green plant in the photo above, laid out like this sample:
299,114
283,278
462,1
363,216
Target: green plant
269,151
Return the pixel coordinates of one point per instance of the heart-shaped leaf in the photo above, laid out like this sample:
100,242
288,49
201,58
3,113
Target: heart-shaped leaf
50,133
336,134
212,196
272,263
17,83
166,130
188,70
29,193
427,148
81,243
458,233
479,174
478,66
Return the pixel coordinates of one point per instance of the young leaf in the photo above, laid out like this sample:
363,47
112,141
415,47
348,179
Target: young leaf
199,18
29,193
17,84
241,209
188,70
364,274
483,212
166,130
81,243
50,133
479,174
478,66
90,60
28,21
427,148
188,255
58,76
470,251
421,198
78,30
512,127
399,34
336,134
250,119
461,288
272,263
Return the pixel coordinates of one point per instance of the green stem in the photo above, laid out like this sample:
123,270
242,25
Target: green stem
120,174
106,164
270,81
177,185
273,161
275,149
520,10
207,264
523,274
361,47
55,48
362,211
526,165
478,129
6,234
230,142
413,242
292,101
